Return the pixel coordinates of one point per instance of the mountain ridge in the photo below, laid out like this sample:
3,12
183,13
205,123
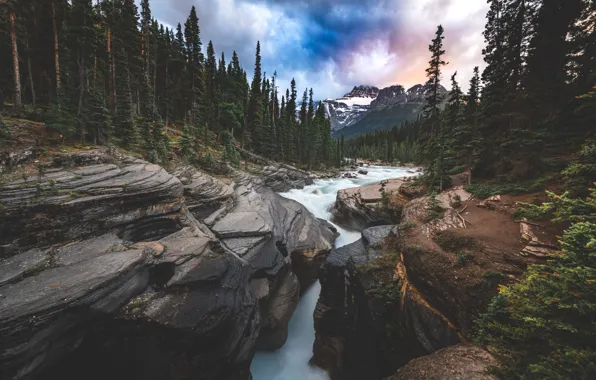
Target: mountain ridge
367,108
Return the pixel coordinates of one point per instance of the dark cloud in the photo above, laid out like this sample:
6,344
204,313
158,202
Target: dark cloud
333,45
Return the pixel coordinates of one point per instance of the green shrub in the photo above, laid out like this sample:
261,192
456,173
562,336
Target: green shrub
561,208
493,275
582,172
385,198
456,201
462,258
433,209
483,190
543,327
407,225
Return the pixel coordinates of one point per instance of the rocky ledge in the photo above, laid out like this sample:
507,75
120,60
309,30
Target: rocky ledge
118,269
419,291
355,208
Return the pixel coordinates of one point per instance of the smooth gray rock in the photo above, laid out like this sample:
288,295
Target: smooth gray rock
109,259
15,267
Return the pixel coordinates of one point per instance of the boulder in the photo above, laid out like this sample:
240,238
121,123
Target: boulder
460,362
106,272
363,172
356,208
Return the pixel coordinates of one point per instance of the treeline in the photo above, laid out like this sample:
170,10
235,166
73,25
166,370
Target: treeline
534,100
103,72
399,144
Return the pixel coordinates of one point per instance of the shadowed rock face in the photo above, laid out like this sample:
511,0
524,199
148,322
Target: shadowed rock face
369,319
356,322
106,272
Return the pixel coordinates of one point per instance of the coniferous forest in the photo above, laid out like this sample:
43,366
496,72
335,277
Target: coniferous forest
107,72
535,100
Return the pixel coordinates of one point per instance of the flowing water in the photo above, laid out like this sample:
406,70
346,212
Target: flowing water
291,361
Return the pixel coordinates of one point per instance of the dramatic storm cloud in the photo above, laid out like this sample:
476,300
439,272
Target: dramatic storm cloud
333,45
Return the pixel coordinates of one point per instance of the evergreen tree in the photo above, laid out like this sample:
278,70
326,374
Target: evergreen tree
436,144
196,70
254,117
211,87
81,42
543,326
290,123
97,118
303,128
465,133
433,96
126,127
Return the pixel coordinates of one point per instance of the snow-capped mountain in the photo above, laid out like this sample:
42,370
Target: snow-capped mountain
350,108
368,109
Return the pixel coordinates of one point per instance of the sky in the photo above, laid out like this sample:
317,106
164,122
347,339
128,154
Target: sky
334,45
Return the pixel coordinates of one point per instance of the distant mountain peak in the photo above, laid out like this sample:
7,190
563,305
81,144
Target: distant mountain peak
350,108
367,108
362,91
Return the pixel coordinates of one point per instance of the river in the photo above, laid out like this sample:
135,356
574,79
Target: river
291,361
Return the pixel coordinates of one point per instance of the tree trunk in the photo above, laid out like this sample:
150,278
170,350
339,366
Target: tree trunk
29,71
82,82
31,81
112,69
15,61
155,76
166,108
56,49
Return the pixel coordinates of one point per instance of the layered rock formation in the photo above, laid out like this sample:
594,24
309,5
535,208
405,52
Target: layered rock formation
122,270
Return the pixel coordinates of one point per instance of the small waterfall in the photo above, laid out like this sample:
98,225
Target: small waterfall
291,361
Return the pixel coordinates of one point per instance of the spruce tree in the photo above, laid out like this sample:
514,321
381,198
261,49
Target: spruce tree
433,96
97,117
303,128
126,127
81,41
435,144
465,134
196,68
187,143
254,117
211,87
